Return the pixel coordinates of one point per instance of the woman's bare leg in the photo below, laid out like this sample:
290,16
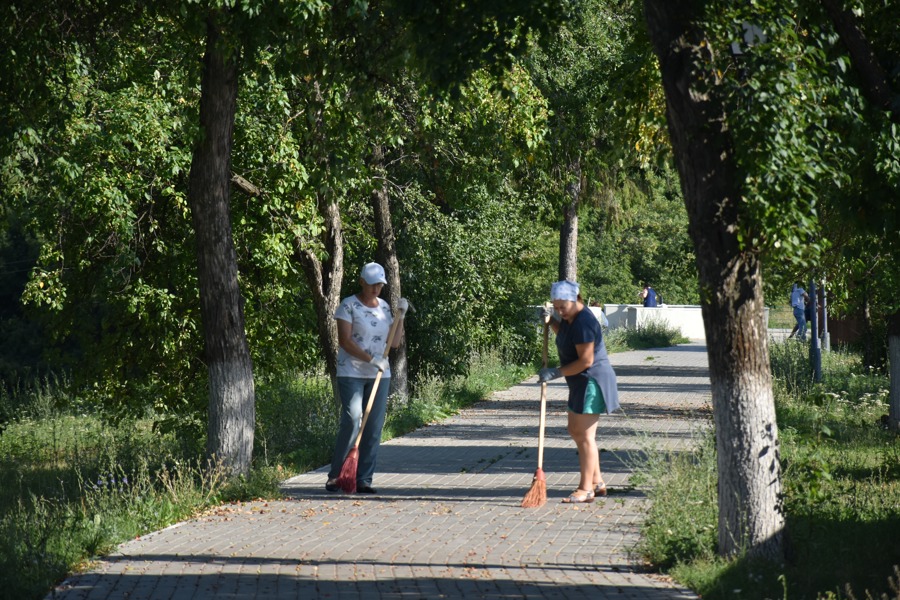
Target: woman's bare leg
583,429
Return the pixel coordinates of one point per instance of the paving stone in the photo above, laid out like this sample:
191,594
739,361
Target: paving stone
447,521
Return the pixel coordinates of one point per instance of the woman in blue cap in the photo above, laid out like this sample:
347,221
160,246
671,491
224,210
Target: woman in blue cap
591,380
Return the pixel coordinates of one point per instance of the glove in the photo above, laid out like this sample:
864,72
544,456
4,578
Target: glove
548,374
546,313
403,305
380,363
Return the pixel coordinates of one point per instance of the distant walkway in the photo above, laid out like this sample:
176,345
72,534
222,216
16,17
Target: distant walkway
447,521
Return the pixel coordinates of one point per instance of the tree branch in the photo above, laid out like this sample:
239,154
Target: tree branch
874,82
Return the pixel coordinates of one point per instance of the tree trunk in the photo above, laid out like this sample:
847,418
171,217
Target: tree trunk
749,474
894,354
387,256
870,353
325,279
325,276
231,390
568,233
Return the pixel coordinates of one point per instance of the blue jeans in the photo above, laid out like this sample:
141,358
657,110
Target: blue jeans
800,316
354,393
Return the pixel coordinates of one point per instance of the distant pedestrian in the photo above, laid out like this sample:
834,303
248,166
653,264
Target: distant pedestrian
647,295
591,380
799,300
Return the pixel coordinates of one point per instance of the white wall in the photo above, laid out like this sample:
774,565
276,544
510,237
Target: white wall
685,317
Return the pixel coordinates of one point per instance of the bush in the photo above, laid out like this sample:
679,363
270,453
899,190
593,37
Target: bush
654,334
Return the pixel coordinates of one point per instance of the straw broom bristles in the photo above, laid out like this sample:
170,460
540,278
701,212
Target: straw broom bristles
537,495
347,479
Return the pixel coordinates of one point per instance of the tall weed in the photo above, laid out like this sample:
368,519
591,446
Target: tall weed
681,523
296,420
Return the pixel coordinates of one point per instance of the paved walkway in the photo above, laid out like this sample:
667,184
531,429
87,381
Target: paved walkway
447,521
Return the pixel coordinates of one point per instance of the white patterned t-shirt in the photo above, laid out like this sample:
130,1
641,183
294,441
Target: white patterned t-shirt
369,328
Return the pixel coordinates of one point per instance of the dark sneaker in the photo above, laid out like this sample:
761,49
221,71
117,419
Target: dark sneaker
365,489
331,485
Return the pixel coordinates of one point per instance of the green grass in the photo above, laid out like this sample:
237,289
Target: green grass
841,484
781,317
76,486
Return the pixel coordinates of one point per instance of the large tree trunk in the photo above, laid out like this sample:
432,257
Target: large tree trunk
325,279
387,256
894,355
568,233
749,490
231,390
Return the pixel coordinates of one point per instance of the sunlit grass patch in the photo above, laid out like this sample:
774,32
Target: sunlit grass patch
841,476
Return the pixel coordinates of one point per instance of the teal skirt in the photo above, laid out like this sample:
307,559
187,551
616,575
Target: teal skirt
586,398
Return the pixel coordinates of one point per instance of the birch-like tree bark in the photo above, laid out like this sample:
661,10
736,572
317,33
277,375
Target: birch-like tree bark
751,516
232,396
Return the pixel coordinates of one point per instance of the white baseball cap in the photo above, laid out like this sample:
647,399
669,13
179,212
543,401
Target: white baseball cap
373,273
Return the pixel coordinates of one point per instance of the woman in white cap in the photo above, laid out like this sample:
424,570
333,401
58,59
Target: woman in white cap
591,380
363,322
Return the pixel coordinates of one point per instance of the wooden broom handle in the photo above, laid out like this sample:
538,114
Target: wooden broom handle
387,351
543,398
546,337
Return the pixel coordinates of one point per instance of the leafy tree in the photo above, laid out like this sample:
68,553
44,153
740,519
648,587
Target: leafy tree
749,470
94,158
460,235
640,234
111,194
573,70
759,85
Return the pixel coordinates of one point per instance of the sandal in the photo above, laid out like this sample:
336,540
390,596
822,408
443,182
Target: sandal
579,496
600,489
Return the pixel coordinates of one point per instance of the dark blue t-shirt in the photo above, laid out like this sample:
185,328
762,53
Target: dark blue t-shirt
584,329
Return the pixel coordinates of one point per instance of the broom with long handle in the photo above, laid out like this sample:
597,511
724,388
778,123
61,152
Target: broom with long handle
537,495
347,479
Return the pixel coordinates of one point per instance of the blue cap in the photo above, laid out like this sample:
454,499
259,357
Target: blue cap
564,290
